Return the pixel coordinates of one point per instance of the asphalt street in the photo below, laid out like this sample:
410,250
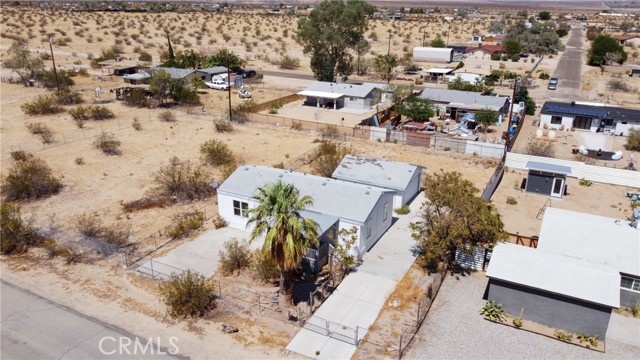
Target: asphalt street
36,328
570,64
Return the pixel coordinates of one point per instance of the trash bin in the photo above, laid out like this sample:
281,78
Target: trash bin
31,83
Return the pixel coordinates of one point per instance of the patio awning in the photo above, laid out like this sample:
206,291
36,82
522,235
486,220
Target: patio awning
321,94
552,168
439,70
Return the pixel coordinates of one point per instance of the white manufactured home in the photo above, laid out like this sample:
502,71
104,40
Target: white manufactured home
400,178
598,118
367,208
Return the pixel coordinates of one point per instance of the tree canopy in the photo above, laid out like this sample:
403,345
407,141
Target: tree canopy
540,37
544,15
23,62
329,32
287,235
604,50
523,95
162,86
417,109
454,217
384,65
437,43
225,57
486,118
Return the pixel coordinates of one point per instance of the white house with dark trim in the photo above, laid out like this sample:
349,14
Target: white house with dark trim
598,118
355,97
456,103
207,74
368,208
402,179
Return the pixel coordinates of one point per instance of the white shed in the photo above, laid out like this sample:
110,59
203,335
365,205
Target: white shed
400,178
433,54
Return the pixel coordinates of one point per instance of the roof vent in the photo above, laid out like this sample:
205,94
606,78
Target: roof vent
281,175
367,192
324,184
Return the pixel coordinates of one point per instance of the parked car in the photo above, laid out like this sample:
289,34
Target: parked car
553,83
218,84
245,73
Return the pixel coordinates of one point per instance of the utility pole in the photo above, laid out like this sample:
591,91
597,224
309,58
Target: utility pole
513,100
389,46
229,83
449,31
389,59
424,34
55,72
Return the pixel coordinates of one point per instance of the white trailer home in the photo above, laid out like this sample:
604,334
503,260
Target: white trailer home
432,54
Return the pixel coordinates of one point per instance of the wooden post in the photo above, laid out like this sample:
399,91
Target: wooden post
400,346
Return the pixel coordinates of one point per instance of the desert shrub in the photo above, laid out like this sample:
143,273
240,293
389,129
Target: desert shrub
91,113
21,155
136,124
402,210
296,125
512,200
137,98
515,57
145,57
517,322
68,97
590,340
108,143
234,257
185,224
584,182
45,132
495,56
544,76
564,336
80,123
219,222
540,148
216,153
327,157
41,105
273,109
227,170
89,225
79,160
240,111
635,309
188,295
329,132
492,311
223,125
618,85
183,180
264,267
288,62
633,140
30,178
109,239
16,235
167,116
148,202
279,165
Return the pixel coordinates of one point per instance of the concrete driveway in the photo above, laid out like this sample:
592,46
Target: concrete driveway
36,328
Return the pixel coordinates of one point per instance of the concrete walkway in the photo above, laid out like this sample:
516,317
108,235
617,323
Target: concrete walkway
624,329
354,306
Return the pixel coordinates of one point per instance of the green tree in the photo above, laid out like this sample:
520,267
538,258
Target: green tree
329,32
437,43
454,217
486,118
417,109
225,57
512,46
160,85
544,15
170,55
384,65
523,95
287,234
604,49
23,62
633,140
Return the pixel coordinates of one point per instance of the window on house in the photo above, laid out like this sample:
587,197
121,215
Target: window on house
240,208
368,229
386,211
556,120
630,283
624,123
352,98
608,122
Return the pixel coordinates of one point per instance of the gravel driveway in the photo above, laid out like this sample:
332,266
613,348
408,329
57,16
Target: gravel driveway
455,330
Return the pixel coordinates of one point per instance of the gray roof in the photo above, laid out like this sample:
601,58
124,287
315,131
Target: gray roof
175,73
555,273
377,172
468,99
356,90
600,239
328,194
552,168
324,221
213,70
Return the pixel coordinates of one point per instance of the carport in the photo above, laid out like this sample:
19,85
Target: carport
318,98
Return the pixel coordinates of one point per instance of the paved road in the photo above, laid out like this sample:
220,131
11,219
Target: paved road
570,64
36,328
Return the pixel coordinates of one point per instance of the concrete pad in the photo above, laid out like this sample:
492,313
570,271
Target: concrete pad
354,285
200,255
335,349
378,291
363,314
335,308
307,342
624,329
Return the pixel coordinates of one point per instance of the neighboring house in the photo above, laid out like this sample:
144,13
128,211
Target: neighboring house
598,239
457,49
119,67
437,74
208,73
589,116
359,97
546,179
467,76
369,209
140,78
559,291
176,73
402,179
628,39
433,54
634,71
458,103
481,49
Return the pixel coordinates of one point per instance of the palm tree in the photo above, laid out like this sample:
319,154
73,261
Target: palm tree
287,234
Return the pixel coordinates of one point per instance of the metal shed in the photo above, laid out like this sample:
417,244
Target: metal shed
546,179
433,54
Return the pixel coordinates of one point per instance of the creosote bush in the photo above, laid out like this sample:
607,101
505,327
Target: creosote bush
188,295
402,210
16,235
633,140
45,132
185,224
216,153
91,112
109,239
327,157
136,124
108,143
29,178
68,97
42,105
265,268
167,116
183,180
540,148
223,126
234,257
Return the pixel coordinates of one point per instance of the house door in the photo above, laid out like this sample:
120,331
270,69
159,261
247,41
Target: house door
582,122
558,186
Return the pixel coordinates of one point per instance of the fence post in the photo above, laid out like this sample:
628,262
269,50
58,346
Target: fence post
152,272
418,316
400,346
326,322
259,304
356,333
